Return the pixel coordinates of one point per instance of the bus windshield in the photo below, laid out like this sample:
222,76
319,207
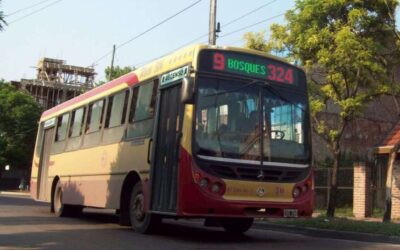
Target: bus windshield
250,121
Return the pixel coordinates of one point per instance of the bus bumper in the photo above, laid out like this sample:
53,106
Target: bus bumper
194,201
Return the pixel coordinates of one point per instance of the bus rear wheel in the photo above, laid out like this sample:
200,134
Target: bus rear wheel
141,221
236,225
64,210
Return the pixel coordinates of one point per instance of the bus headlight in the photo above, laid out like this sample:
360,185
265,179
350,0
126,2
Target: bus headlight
204,183
304,189
216,187
296,192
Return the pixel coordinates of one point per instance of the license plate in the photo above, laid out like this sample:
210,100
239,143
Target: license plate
290,213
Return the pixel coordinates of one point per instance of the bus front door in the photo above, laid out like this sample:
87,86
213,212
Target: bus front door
165,162
44,164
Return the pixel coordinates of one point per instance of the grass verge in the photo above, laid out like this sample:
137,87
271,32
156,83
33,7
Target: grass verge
343,224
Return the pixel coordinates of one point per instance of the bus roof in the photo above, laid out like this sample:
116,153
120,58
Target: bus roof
179,58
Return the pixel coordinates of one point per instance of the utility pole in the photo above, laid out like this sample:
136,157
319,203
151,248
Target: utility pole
212,36
112,64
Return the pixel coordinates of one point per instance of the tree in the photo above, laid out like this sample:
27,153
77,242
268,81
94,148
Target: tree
256,41
117,72
351,44
2,20
19,116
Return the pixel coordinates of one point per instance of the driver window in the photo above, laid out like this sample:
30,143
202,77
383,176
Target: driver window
286,123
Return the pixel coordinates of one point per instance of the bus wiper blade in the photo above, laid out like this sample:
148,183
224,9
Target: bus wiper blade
233,90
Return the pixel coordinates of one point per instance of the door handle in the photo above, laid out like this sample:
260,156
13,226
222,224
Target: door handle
149,150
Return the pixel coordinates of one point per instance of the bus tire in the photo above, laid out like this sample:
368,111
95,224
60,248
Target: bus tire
141,222
236,225
61,209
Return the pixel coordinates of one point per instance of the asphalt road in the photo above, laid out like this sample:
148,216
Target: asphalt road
25,224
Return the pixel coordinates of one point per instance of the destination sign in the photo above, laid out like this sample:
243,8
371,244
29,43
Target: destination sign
250,66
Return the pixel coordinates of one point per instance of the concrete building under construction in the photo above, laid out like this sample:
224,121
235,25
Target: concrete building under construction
57,82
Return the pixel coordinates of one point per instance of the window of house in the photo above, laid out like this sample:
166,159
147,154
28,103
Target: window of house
77,122
95,116
116,109
62,123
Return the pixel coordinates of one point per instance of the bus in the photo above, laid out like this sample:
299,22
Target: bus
211,132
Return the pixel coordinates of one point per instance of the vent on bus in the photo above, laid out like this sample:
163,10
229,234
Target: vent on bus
252,173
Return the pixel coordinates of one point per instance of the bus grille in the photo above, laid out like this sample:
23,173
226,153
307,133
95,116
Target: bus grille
251,173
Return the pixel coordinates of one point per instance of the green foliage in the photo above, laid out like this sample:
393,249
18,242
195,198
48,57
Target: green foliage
353,46
350,50
19,114
2,20
117,72
256,41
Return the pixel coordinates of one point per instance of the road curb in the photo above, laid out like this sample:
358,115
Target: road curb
325,233
15,193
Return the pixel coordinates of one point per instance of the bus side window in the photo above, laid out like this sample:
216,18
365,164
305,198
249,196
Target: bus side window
95,116
135,92
116,109
142,110
62,123
76,125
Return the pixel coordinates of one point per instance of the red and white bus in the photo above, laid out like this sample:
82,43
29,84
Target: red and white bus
210,132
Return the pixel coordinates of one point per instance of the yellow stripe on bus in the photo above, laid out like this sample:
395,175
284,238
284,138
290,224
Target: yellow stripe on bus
258,191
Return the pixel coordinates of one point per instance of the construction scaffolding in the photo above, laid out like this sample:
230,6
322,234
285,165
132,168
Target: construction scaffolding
57,82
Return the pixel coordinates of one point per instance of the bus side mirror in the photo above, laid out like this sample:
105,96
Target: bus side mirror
187,91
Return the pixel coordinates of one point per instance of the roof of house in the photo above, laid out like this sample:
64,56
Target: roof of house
392,138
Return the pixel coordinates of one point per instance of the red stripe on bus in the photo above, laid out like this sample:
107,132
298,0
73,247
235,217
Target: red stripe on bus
130,79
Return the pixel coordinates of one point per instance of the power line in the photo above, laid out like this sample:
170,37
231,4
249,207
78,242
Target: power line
251,25
249,13
26,8
233,21
206,34
235,42
34,12
228,34
148,30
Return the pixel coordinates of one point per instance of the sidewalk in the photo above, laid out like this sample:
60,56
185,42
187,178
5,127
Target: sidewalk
326,233
16,192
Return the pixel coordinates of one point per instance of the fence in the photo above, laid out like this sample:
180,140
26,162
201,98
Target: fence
345,185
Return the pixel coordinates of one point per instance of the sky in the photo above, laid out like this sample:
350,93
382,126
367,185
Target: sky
81,32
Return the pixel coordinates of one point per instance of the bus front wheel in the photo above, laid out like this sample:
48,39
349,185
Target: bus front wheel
236,225
141,221
64,210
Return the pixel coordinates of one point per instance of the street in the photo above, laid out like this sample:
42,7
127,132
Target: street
26,224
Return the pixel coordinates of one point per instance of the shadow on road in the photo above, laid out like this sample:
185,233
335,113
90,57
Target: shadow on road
32,226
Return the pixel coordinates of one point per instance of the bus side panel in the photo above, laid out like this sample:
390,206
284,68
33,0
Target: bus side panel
94,191
94,176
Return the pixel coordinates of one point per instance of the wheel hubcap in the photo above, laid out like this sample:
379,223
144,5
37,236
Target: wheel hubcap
138,207
57,202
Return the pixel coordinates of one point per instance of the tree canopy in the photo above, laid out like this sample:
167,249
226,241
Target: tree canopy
350,50
2,20
117,72
19,116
